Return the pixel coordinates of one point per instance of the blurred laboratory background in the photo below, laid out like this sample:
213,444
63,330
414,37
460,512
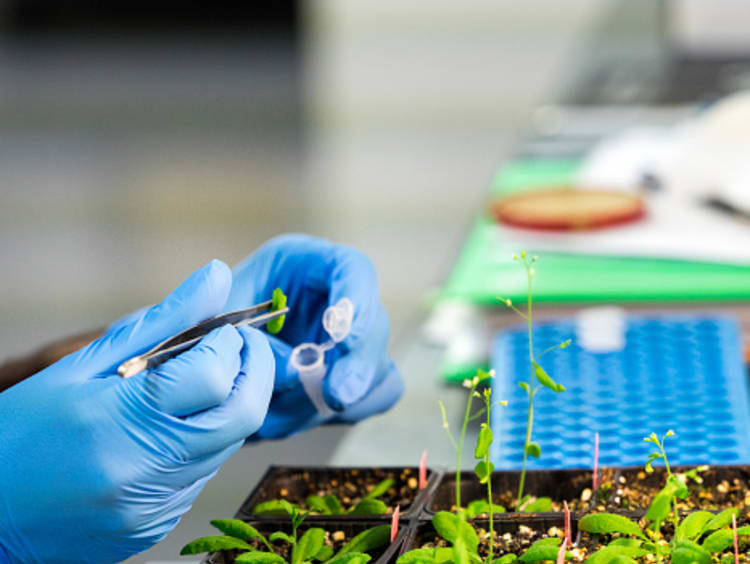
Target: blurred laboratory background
139,141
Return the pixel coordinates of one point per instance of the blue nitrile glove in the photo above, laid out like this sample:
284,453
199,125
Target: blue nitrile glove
94,467
362,379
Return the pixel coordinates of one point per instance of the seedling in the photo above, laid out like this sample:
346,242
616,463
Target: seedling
465,543
484,467
310,547
278,301
331,504
673,488
700,535
458,445
536,371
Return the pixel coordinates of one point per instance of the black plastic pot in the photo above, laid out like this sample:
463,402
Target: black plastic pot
384,555
737,476
296,481
560,485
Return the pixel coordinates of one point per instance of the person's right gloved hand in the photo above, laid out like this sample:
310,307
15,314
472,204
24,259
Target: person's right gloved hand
93,467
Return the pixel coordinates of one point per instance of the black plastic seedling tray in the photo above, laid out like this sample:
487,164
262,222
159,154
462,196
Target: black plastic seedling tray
735,479
560,485
294,483
439,495
383,555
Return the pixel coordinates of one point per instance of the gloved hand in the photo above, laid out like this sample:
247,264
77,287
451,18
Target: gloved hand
362,379
93,467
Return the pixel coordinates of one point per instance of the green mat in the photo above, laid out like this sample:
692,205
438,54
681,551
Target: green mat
482,273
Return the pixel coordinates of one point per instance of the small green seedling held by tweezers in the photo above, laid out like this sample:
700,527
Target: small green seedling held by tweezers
278,301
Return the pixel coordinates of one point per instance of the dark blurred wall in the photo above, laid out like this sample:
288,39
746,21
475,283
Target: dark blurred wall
67,16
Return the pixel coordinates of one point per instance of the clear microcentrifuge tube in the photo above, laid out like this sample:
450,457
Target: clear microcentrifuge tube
309,358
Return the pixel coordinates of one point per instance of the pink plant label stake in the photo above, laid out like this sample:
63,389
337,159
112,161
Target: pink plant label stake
736,547
596,463
567,523
394,522
423,470
561,553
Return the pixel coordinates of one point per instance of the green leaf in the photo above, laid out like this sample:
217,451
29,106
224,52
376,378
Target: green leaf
278,535
539,505
544,549
369,506
626,542
484,470
239,529
688,552
317,504
721,520
533,449
660,506
451,527
367,540
483,441
622,559
682,490
460,551
324,553
259,557
545,380
350,558
380,489
524,386
480,507
437,555
505,559
274,506
627,547
214,543
278,301
609,523
553,541
743,530
727,559
308,545
718,541
692,526
333,504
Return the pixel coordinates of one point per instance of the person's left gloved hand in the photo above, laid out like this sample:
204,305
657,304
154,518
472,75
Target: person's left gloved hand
314,273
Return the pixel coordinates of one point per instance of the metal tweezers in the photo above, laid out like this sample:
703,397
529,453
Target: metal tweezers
255,316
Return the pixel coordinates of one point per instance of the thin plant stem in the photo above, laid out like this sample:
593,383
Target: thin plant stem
530,416
675,515
489,486
460,447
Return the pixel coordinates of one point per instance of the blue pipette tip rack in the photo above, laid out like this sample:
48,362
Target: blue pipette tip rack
678,372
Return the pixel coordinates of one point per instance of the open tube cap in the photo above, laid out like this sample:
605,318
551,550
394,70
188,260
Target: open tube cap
309,358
